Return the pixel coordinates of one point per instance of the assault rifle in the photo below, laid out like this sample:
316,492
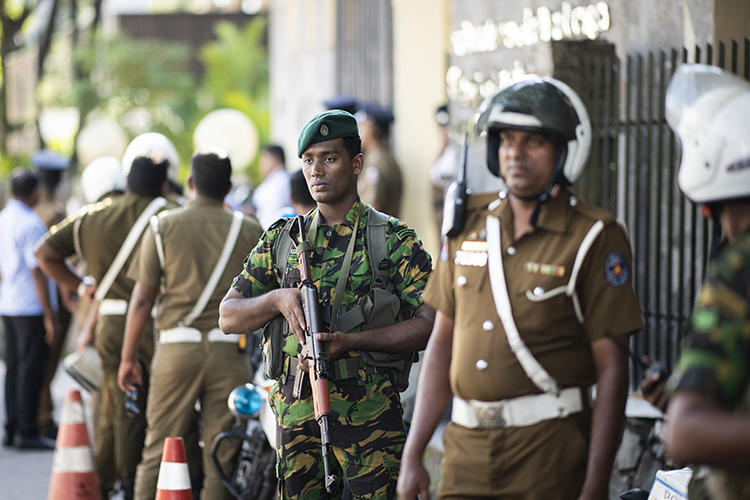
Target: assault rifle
319,367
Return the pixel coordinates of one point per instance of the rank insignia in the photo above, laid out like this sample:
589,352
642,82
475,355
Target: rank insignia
474,246
616,269
546,269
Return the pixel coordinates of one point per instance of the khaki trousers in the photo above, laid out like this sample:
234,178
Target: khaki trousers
545,461
181,374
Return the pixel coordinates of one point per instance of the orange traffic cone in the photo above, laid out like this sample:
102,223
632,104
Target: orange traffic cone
174,477
73,473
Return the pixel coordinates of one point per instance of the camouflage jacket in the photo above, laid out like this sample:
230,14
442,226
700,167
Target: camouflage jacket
715,358
410,264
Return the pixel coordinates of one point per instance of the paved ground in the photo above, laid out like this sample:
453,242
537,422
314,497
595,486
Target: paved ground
26,474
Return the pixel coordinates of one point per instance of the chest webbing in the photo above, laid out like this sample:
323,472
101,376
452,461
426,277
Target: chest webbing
375,240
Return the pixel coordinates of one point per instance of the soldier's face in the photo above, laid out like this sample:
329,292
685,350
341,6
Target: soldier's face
527,161
330,173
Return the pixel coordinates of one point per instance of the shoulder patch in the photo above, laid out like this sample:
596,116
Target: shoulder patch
405,233
616,269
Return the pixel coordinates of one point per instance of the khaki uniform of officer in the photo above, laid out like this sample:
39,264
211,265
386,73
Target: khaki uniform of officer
544,283
380,183
197,362
96,234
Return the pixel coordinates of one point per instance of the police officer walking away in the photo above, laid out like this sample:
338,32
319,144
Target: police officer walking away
374,318
104,235
533,297
194,252
708,420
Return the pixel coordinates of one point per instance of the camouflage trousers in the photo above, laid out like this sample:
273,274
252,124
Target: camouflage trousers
367,437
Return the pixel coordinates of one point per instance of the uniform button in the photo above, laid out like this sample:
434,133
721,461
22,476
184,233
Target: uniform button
511,250
328,233
538,290
573,201
482,365
488,326
461,281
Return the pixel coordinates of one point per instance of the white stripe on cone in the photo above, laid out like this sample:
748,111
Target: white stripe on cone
173,476
73,459
72,413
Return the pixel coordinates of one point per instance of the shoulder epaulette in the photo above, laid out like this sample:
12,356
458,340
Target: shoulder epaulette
592,211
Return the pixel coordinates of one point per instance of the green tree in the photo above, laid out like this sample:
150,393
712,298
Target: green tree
236,74
144,85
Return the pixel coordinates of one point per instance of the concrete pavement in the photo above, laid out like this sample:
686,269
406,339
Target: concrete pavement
26,473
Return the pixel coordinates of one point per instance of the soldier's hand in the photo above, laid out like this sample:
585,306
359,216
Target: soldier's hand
653,387
339,343
289,303
129,375
413,481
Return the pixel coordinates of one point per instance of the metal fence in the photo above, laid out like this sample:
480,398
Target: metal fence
632,172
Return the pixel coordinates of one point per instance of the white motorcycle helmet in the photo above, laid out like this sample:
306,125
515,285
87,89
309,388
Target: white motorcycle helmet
708,110
150,142
542,104
102,176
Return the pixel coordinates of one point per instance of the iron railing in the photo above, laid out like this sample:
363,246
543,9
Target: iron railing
632,172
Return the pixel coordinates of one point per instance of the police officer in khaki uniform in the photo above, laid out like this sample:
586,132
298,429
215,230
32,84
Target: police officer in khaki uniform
195,252
380,184
97,234
533,297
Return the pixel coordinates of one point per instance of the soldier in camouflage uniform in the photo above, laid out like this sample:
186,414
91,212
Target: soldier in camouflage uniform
366,426
709,413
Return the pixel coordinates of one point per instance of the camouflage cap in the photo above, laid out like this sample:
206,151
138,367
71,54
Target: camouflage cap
325,127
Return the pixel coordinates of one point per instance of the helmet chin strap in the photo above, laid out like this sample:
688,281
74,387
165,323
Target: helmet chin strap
544,196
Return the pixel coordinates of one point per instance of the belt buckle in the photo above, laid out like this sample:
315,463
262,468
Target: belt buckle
490,416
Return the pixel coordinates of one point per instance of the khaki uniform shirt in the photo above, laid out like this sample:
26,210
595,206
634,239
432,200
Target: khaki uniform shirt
193,238
97,232
380,183
483,367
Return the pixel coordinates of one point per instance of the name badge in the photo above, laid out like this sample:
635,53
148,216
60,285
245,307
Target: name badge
476,259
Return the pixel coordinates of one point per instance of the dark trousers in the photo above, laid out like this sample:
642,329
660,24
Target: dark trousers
25,355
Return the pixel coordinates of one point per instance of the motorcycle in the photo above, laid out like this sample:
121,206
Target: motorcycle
254,474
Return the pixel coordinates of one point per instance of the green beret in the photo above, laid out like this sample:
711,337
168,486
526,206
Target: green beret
326,126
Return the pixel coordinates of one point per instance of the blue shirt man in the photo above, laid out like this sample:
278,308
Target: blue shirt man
29,312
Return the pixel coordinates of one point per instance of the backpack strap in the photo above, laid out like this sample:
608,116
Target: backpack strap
377,251
281,251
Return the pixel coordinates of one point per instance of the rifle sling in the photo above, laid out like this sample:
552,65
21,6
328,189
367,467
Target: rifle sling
345,266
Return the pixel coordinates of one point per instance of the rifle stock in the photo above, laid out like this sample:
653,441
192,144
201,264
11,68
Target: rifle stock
319,366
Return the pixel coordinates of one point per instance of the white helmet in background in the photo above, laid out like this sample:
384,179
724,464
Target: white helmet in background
150,142
709,110
102,176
